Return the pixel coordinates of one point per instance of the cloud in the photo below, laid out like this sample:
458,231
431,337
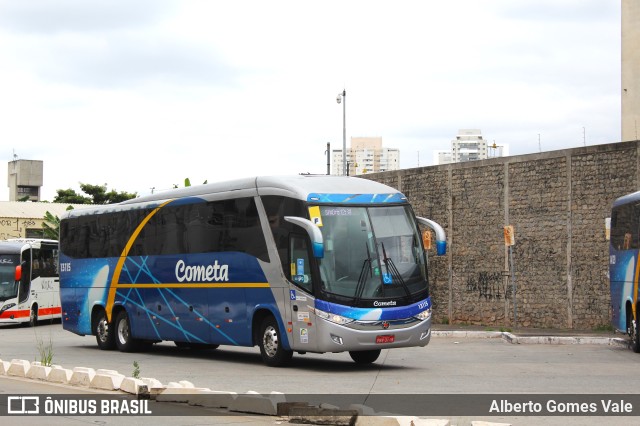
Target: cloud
129,60
213,90
578,11
94,16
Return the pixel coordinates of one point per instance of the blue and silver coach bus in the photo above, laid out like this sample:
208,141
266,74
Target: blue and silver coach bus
291,264
624,267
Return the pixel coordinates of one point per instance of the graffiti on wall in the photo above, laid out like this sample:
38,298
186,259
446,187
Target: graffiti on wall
488,285
16,228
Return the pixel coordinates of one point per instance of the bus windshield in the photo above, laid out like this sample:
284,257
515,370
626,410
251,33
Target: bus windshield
372,253
8,284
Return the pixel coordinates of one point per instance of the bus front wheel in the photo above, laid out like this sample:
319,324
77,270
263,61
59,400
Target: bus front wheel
365,357
33,316
105,336
273,354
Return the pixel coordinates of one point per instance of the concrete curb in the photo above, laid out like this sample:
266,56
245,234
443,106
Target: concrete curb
256,403
467,334
274,404
213,399
38,371
564,340
18,368
60,375
538,340
4,367
82,376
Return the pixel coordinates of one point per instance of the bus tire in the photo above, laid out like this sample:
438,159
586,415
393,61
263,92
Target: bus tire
365,357
33,316
273,354
105,335
635,336
124,341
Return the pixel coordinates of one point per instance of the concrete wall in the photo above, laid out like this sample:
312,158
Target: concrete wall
630,70
557,202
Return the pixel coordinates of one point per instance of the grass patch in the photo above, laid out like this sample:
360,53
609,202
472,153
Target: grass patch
501,329
46,351
136,370
604,327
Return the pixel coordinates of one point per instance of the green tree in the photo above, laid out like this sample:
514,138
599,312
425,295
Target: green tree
70,196
51,226
96,194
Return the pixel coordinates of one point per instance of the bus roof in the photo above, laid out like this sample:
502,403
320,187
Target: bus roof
309,187
304,187
16,245
625,199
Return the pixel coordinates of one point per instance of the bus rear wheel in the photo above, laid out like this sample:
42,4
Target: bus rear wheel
124,341
365,357
273,354
105,336
634,332
33,316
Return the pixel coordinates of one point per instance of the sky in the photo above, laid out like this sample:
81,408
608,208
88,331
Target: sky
141,94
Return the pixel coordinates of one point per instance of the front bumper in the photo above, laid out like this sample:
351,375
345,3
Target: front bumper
361,335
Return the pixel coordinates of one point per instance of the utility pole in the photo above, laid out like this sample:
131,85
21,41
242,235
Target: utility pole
328,151
343,99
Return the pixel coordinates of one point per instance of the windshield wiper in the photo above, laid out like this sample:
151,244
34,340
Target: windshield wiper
395,274
362,279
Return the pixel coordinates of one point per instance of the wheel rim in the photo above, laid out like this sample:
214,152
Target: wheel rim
270,341
123,331
32,317
102,330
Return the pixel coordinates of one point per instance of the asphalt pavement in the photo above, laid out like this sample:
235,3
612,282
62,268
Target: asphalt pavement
184,414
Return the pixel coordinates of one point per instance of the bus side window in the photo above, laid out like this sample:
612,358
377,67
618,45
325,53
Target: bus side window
277,208
625,227
48,262
36,265
299,262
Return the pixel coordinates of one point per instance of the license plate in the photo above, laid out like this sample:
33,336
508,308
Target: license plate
385,339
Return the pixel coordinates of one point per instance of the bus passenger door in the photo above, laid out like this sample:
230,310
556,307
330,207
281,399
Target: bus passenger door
301,295
24,288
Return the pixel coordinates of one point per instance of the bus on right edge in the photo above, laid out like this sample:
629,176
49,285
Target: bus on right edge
624,266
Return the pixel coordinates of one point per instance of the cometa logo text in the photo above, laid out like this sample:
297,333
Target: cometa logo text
201,273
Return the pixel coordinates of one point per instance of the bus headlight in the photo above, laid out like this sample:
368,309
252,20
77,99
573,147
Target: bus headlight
335,318
424,314
7,306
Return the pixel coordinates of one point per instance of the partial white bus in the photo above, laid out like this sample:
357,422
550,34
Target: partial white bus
29,284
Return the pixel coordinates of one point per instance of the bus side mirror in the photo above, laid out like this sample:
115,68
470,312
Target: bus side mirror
441,239
313,231
18,272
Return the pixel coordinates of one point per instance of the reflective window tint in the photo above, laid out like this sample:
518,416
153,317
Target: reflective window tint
624,227
228,225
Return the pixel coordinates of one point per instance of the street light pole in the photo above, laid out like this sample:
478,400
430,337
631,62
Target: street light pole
342,98
328,151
